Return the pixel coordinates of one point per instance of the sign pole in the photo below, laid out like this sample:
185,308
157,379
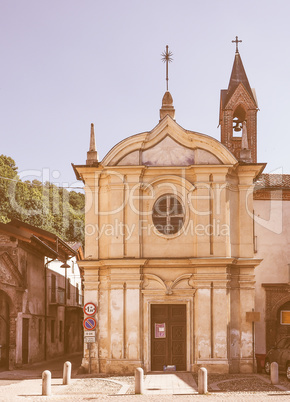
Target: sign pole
89,324
253,342
89,345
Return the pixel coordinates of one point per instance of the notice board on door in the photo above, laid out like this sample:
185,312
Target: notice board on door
160,330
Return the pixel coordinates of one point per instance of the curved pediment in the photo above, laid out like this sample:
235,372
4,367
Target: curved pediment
168,152
168,144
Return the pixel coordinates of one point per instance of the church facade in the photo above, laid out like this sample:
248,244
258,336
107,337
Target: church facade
170,253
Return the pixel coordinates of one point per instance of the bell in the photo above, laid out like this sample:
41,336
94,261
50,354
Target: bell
237,126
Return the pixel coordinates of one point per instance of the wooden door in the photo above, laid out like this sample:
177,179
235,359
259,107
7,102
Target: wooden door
25,340
168,336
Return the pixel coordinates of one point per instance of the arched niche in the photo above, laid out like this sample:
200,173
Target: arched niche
239,116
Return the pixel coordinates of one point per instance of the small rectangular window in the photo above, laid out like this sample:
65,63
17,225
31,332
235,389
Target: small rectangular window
77,293
40,331
53,288
285,317
60,331
52,331
68,288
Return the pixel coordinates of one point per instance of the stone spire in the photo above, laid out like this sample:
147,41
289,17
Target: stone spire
239,76
167,106
238,112
92,154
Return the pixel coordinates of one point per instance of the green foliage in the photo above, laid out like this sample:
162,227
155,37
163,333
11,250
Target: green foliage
45,206
8,169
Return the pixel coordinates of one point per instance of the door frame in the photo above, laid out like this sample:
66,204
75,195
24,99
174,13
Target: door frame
168,339
148,300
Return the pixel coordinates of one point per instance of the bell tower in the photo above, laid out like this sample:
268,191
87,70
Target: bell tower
238,114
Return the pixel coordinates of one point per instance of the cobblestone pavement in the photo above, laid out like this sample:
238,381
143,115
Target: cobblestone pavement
26,385
221,388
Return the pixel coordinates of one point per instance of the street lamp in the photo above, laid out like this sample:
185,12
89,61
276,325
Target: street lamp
65,266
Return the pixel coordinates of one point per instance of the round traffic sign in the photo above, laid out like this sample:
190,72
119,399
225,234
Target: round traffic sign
90,308
89,323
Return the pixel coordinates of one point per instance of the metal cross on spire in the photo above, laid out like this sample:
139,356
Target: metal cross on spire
166,58
237,43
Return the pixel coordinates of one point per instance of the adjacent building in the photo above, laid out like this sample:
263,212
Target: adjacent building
40,295
271,243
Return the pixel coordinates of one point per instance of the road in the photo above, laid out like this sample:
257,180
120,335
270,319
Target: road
26,384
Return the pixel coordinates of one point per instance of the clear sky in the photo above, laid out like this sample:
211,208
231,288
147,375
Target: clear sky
66,64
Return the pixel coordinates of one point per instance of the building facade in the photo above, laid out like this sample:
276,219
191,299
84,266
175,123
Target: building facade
272,238
66,302
171,244
38,320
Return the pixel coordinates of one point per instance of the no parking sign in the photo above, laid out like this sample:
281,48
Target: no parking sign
89,323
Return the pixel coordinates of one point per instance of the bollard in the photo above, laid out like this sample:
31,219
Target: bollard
46,382
139,381
274,373
202,380
66,373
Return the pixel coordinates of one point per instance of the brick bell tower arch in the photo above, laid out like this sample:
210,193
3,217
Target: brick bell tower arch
238,114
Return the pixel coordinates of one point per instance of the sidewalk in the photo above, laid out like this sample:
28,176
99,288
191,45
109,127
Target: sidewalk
35,370
170,384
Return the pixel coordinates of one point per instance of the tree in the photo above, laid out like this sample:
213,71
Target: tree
8,170
45,206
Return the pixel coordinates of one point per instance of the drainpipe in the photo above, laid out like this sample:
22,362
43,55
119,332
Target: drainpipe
65,266
64,321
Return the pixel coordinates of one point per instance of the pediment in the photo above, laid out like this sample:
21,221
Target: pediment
168,144
241,96
152,281
169,152
9,273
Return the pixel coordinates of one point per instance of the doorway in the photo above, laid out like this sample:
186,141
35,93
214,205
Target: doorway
4,331
25,340
168,336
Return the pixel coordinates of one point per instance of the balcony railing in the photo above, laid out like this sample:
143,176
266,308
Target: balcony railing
58,296
61,294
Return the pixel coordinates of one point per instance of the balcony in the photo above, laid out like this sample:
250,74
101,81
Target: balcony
57,296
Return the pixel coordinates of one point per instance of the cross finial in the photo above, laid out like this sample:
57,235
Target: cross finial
166,58
237,42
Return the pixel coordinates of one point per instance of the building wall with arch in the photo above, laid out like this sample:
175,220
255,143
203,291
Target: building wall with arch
272,239
33,307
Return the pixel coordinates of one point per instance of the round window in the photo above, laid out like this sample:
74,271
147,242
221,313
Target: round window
168,214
